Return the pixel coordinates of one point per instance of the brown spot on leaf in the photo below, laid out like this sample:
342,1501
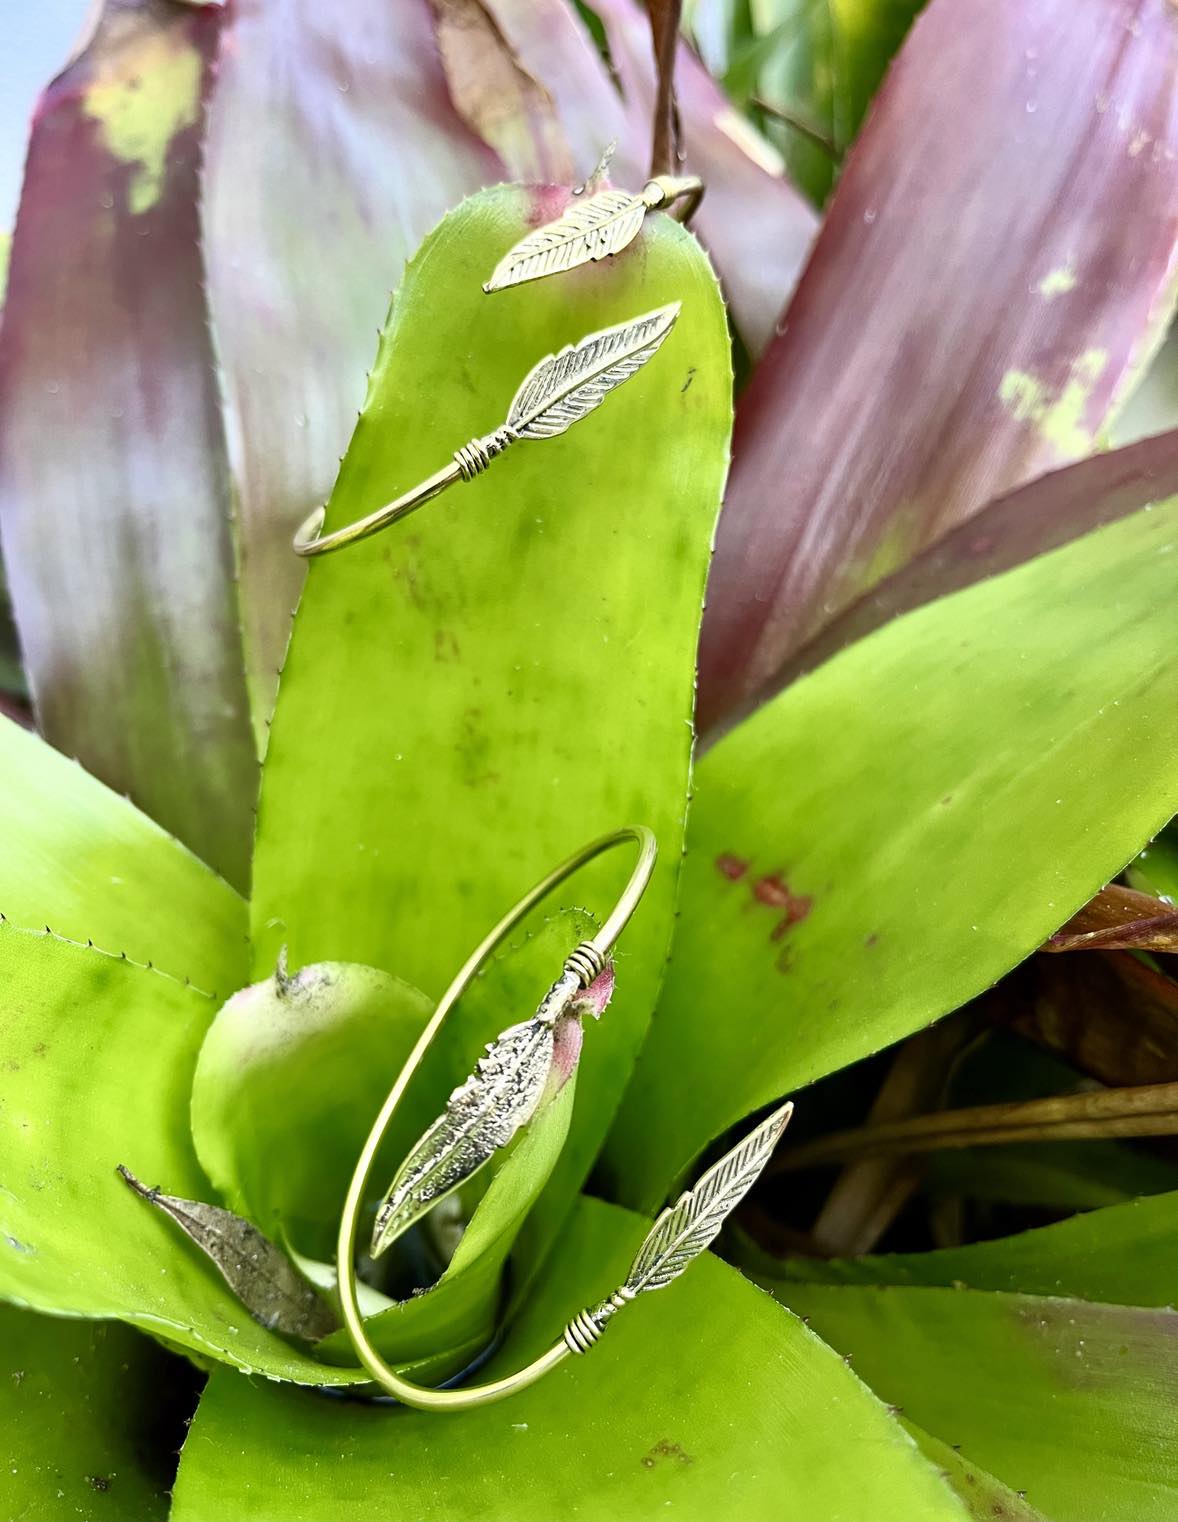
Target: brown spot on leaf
665,1449
97,1482
772,891
797,911
445,646
775,893
732,867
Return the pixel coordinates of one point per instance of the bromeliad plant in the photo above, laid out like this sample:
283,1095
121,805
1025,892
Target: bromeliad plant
938,694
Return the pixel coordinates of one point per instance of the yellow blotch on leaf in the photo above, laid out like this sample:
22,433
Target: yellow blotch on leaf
141,102
895,548
1057,282
1058,417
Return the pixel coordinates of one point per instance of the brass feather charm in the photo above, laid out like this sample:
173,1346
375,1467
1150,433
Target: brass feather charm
481,1115
565,387
592,229
556,393
687,1228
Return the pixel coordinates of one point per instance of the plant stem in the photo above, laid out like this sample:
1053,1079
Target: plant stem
1150,1110
664,35
796,124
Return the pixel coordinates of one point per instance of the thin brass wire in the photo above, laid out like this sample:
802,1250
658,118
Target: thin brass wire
556,393
586,961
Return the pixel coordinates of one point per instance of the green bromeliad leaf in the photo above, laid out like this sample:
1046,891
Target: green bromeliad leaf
84,1024
985,1497
705,1399
99,1057
820,64
1156,869
1123,1255
88,864
289,1080
898,829
473,694
1016,1381
84,1431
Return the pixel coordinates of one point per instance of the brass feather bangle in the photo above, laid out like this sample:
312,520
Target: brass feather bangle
503,1092
555,394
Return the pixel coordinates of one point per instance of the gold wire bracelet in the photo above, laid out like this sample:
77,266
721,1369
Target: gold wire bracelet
680,1233
555,394
581,967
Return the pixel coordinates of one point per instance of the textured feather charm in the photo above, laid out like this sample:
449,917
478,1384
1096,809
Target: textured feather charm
590,230
481,1115
685,1229
484,1112
689,1226
565,387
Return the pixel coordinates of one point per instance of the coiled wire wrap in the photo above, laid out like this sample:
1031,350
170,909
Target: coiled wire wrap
585,962
586,1327
473,458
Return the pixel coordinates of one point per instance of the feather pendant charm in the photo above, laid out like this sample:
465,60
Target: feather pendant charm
687,1228
481,1115
567,386
592,229
485,1111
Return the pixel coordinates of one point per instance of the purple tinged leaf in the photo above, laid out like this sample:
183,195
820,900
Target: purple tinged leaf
114,491
1119,919
1112,1016
332,150
1031,520
595,998
551,42
755,225
497,97
983,287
